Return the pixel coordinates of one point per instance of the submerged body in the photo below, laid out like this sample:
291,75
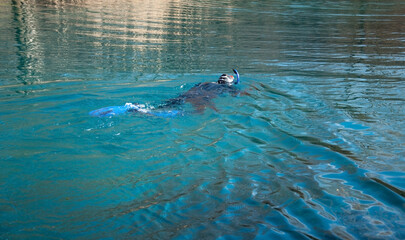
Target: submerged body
201,95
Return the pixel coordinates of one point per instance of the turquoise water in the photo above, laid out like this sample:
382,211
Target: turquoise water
316,151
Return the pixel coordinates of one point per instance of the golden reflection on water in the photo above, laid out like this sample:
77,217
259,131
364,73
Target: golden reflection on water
136,21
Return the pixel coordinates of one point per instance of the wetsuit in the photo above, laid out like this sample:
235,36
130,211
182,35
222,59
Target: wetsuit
200,95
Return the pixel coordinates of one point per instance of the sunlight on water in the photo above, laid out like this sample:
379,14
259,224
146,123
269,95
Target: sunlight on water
314,150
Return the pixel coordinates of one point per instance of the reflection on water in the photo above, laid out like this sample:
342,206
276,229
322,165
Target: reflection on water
315,152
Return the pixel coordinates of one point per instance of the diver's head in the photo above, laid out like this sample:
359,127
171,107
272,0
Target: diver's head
225,79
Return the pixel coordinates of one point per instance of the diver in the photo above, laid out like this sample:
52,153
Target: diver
200,97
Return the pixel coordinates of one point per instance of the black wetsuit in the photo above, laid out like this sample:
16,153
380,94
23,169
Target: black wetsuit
200,95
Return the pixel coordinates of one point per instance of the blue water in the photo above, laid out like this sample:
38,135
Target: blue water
315,151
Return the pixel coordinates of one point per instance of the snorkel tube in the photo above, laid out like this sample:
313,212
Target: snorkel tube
237,76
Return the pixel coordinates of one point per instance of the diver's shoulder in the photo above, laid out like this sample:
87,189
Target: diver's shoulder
208,83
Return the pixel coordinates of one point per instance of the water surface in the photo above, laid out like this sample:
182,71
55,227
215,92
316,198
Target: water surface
315,152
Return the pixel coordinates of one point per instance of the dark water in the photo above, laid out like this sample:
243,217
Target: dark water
315,152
